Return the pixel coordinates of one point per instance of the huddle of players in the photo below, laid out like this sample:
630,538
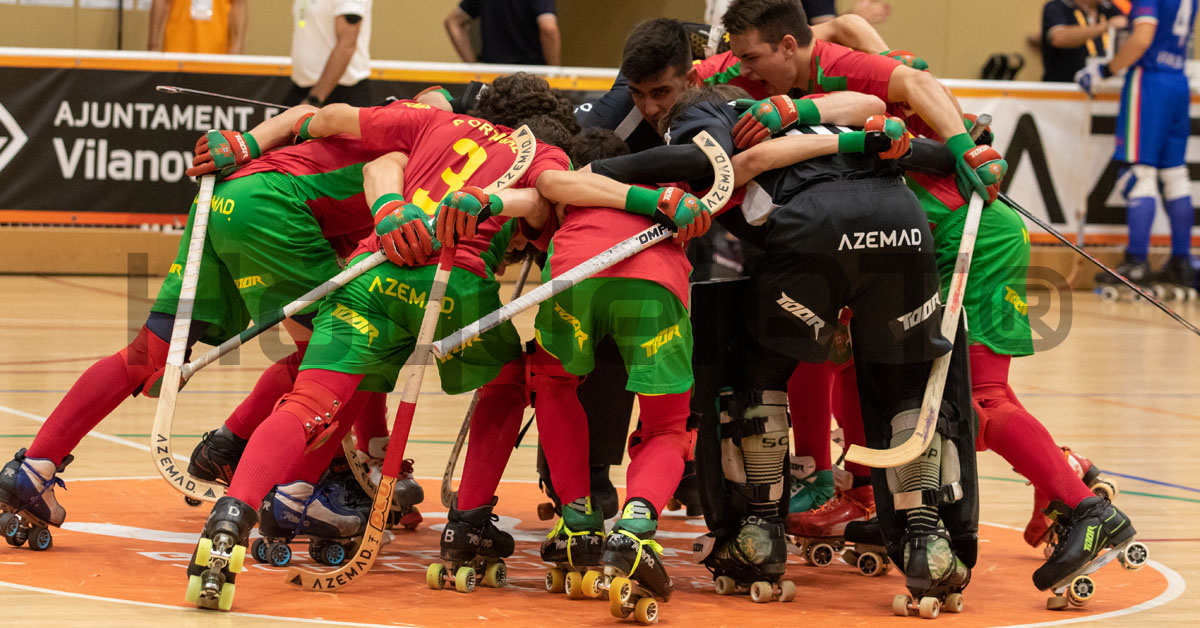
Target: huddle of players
828,207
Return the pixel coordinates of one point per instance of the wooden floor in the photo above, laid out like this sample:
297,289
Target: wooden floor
1120,387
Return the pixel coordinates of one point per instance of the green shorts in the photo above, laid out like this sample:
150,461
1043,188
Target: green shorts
994,304
370,326
263,250
648,322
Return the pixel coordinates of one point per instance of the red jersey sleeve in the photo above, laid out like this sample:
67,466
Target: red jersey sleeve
545,157
394,127
837,68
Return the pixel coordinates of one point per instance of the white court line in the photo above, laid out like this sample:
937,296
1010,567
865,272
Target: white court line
102,436
1175,588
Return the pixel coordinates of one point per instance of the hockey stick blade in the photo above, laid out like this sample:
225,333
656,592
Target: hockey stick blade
931,403
411,374
714,200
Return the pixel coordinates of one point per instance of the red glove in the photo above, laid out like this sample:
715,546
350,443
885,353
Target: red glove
222,151
894,129
404,232
987,163
461,211
679,206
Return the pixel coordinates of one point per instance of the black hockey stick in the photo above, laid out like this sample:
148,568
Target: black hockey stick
170,89
1119,277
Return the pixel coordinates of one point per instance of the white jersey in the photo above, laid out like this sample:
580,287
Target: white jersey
314,36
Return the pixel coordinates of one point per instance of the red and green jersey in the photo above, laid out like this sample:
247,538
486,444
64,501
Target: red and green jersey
726,69
834,68
447,151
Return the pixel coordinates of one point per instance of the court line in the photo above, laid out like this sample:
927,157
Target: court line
79,286
1175,588
93,433
1138,493
1149,481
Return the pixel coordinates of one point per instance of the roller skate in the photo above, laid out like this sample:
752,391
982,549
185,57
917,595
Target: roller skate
1136,271
934,575
752,560
471,544
406,494
220,555
604,494
318,513
27,503
819,534
687,494
1088,538
1039,530
215,458
870,550
574,547
1177,280
810,488
633,571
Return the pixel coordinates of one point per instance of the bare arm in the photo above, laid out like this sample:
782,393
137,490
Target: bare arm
238,17
928,98
851,31
277,131
384,175
456,27
848,108
1135,46
158,24
551,38
585,189
527,204
339,57
1075,36
334,119
781,152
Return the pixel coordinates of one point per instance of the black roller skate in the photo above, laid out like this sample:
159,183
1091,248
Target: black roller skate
220,554
687,494
1136,271
634,575
1177,280
322,514
1087,538
574,547
215,458
869,550
406,492
27,502
471,544
751,560
934,575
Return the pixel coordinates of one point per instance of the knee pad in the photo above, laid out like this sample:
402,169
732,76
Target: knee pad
145,361
930,480
1175,182
316,408
1140,181
754,447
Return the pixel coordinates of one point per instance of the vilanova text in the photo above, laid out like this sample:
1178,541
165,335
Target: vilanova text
97,161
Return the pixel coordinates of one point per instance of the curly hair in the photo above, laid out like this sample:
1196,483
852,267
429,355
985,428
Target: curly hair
510,99
548,129
594,143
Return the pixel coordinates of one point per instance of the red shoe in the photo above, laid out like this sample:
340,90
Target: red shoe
856,504
1037,531
1090,474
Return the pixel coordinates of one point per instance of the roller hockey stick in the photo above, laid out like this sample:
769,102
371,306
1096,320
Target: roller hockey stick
448,476
714,200
413,372
931,404
1118,276
170,89
160,438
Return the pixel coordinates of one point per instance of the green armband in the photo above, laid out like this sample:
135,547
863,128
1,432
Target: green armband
807,112
852,142
497,204
252,145
639,200
385,199
303,134
960,144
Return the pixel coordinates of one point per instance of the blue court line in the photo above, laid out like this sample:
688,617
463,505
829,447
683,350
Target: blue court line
1149,481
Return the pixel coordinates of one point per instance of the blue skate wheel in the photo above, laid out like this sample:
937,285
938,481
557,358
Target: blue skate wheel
279,554
42,540
258,549
334,554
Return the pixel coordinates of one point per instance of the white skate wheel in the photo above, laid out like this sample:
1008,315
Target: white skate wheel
1135,556
760,592
929,607
870,564
900,605
1056,603
725,585
1109,293
954,603
822,554
787,591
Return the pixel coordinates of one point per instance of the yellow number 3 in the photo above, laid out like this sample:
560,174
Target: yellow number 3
454,180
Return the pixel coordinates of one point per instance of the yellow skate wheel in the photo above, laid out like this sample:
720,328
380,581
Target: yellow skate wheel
725,585
495,575
618,610
237,559
760,592
574,585
929,607
900,605
620,590
193,590
954,603
1105,489
1080,591
225,602
435,576
787,591
464,580
203,552
555,580
646,611
1135,556
1056,603
592,581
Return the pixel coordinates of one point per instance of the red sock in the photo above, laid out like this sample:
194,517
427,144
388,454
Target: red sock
372,422
96,394
810,405
494,428
1009,430
848,410
274,383
310,466
562,425
281,439
655,470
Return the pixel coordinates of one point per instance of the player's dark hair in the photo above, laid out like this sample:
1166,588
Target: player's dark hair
772,18
653,46
515,97
594,143
696,95
548,129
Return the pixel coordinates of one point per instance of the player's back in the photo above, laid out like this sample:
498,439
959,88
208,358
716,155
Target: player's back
1168,50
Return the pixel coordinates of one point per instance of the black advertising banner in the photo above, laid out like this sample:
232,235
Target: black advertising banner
87,140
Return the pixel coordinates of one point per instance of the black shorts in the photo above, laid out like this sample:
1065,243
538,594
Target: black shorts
864,244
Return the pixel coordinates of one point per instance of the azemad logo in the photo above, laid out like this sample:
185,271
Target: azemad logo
11,139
